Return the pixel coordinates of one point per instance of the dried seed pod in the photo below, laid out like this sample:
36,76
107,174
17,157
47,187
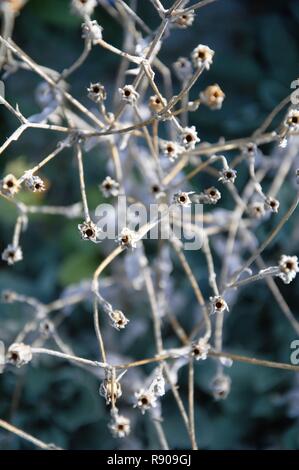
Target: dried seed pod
271,204
156,104
227,175
182,198
118,320
212,96
288,266
202,56
89,231
184,20
12,254
221,386
92,31
292,120
218,304
200,349
172,150
8,296
119,425
257,210
129,94
106,389
109,187
97,92
189,137
210,196
127,238
19,354
9,185
145,400
183,68
35,184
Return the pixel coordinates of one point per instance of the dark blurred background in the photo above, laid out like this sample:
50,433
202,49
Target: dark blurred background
257,57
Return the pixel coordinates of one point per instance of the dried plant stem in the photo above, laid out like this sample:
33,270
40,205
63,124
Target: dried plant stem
96,276
210,263
36,68
78,63
177,328
256,277
234,357
283,170
272,116
160,434
24,435
191,403
178,400
196,289
197,5
115,50
254,361
234,144
154,308
68,357
65,302
184,91
176,169
71,212
117,251
17,231
279,298
141,162
82,183
97,328
269,239
135,17
43,162
117,162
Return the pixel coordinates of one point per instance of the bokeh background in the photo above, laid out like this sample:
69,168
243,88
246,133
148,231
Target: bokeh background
257,57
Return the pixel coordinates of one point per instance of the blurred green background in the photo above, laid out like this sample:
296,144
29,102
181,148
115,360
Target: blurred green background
257,57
